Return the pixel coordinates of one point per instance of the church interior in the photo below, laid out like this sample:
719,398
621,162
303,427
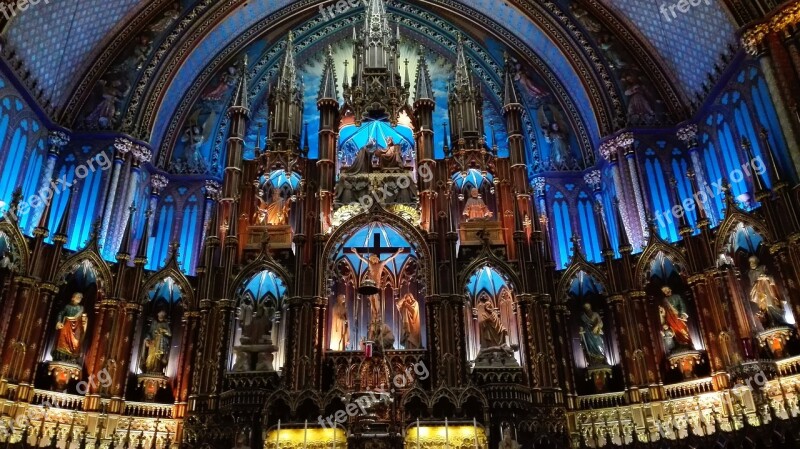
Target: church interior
377,224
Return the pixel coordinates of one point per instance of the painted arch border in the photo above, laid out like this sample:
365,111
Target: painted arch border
591,99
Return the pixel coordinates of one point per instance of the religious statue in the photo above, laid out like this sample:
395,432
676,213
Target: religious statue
362,163
492,332
71,326
674,320
764,293
340,329
640,109
258,328
508,442
375,269
591,331
390,157
410,336
105,113
274,213
476,209
155,351
560,155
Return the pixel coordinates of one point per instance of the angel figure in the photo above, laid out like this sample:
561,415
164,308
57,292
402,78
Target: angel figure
556,134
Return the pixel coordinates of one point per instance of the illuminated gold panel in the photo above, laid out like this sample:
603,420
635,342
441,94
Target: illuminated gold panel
308,439
454,437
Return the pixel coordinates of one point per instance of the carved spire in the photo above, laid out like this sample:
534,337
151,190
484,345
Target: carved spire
462,76
63,224
241,100
424,87
144,242
328,89
287,77
124,251
605,236
510,94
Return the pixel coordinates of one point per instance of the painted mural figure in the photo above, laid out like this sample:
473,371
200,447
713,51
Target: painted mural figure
340,330
157,342
475,208
71,326
591,331
105,112
764,293
492,332
410,335
674,320
560,155
640,109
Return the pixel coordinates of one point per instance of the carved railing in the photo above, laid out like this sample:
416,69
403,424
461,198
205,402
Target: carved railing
788,367
604,400
148,410
59,400
689,388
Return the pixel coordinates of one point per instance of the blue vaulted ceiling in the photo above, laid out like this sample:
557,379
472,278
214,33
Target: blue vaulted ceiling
70,36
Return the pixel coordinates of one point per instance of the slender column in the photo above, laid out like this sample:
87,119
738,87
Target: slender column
714,329
626,144
688,135
186,360
562,348
13,352
36,329
57,140
123,147
644,354
788,123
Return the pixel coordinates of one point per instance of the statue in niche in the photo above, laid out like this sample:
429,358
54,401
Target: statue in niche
105,113
71,326
764,293
257,329
375,269
591,332
391,157
274,213
475,208
508,442
492,332
157,340
340,330
674,321
362,163
410,336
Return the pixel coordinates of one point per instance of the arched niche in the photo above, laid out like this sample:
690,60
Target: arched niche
275,192
259,325
674,318
474,195
492,324
393,318
71,326
765,295
595,348
155,357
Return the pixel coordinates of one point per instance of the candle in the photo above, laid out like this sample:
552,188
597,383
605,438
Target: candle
305,435
417,433
278,435
446,435
334,436
475,429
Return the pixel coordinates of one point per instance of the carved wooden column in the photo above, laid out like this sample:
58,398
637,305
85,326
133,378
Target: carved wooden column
186,361
714,328
563,351
645,346
200,372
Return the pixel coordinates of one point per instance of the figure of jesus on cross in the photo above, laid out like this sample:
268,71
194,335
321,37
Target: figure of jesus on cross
375,267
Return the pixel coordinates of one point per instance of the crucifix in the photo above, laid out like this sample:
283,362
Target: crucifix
371,286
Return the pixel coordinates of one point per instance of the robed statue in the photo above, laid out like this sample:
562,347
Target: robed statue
156,346
410,335
764,294
71,325
475,208
274,213
340,329
362,163
674,321
492,332
508,442
592,339
391,157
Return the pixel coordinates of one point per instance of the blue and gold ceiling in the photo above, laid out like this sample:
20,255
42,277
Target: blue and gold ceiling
162,70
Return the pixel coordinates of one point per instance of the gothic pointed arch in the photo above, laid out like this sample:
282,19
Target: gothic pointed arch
264,262
17,246
579,264
657,245
376,214
171,271
90,254
733,219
